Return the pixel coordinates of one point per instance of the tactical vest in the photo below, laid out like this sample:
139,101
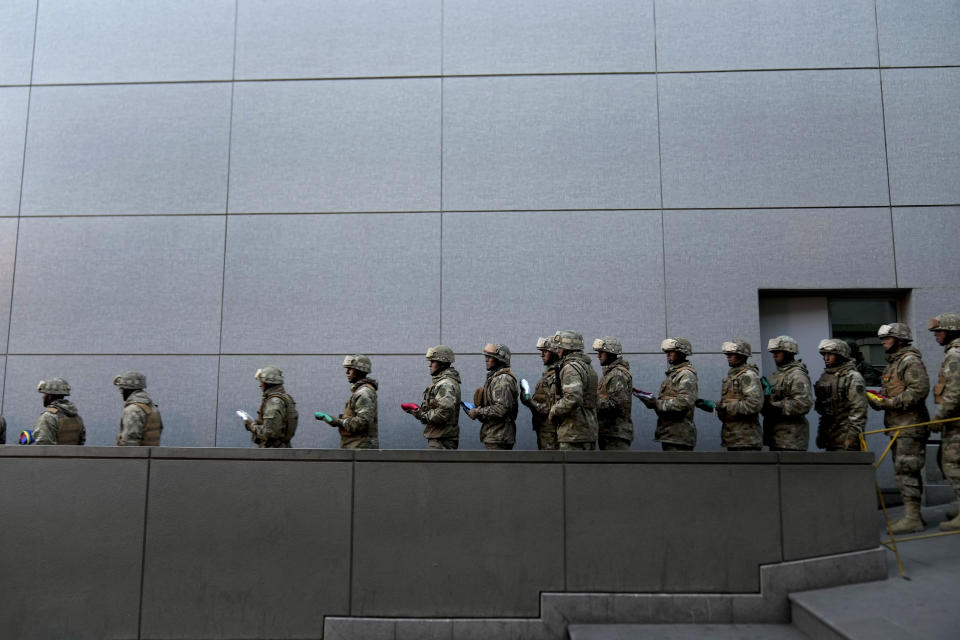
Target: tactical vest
827,390
590,382
731,386
942,381
668,388
68,427
624,411
484,399
153,426
348,412
291,410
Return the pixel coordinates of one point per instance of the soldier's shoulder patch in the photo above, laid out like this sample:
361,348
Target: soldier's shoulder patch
860,388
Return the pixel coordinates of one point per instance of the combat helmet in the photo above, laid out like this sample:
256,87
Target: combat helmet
54,387
269,375
738,346
677,344
131,380
497,351
358,362
440,353
783,343
896,330
608,344
945,322
833,345
546,344
568,340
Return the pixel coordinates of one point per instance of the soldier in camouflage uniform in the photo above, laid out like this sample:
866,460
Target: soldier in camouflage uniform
277,418
544,397
59,423
741,400
357,424
841,399
140,423
496,401
614,397
946,393
574,409
785,426
905,389
675,403
440,410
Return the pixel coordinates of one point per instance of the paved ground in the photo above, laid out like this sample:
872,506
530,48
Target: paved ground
927,606
684,632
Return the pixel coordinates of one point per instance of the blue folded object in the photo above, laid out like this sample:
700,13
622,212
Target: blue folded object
468,406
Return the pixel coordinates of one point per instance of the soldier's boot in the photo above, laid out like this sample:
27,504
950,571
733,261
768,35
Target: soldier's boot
912,521
952,523
952,512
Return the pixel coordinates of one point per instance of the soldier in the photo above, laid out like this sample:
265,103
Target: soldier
675,404
614,396
785,426
544,397
496,400
358,422
741,400
59,423
440,411
140,423
870,375
946,393
841,399
905,389
277,418
574,409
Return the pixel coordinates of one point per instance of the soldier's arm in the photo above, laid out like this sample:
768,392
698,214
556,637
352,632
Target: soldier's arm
572,387
916,386
949,406
365,410
272,426
444,405
45,430
132,423
504,394
686,397
796,398
856,401
752,400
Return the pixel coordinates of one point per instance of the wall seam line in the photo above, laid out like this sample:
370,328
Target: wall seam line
226,227
143,549
886,151
442,89
16,235
663,223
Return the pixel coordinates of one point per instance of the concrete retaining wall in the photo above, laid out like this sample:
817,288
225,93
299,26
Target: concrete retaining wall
234,543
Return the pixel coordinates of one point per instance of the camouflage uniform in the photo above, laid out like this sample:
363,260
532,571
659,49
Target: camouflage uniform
741,400
140,423
60,423
277,418
675,406
540,402
614,399
785,426
440,410
574,410
905,386
3,430
841,403
946,393
357,424
497,402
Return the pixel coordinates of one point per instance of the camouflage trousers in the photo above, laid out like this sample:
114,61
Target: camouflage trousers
443,443
950,455
578,446
611,443
669,446
362,444
498,446
547,440
909,454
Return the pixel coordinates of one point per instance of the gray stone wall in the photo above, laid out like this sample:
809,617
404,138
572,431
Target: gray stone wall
199,189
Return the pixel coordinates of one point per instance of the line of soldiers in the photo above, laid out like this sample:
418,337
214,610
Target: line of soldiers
574,409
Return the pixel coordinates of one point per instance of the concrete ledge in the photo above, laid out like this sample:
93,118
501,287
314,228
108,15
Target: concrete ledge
558,611
72,451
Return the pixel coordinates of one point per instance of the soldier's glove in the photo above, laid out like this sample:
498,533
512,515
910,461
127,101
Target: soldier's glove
248,424
336,423
525,399
648,401
473,413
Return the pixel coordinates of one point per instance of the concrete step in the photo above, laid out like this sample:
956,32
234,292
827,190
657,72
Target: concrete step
685,632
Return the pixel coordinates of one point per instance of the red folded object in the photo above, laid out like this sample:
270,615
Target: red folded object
409,406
